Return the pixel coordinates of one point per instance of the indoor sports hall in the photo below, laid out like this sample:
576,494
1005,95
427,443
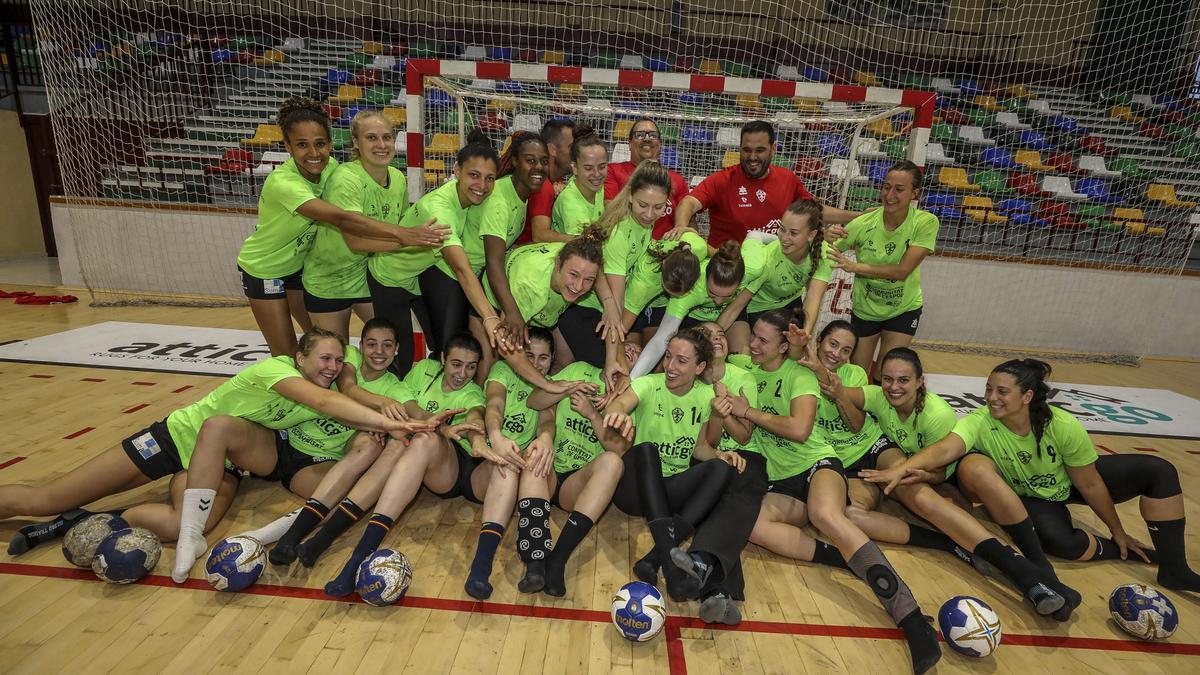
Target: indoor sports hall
1055,166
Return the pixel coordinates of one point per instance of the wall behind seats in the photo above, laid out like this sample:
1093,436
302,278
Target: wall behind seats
20,222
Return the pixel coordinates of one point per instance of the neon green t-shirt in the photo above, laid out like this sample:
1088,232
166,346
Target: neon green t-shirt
424,382
883,299
529,270
575,441
248,395
1030,468
776,391
936,420
520,421
850,446
738,379
332,270
626,243
501,215
400,269
671,422
572,213
283,237
327,437
644,286
777,280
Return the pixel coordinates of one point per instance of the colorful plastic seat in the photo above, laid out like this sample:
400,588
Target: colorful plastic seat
1165,194
1097,191
981,209
1000,158
1032,160
955,178
265,135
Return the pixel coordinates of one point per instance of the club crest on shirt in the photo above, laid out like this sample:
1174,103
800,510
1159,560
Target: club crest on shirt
890,248
432,406
762,195
677,415
1025,457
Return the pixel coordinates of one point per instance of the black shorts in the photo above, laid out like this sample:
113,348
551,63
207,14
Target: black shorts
868,461
462,484
751,318
270,289
651,317
153,452
289,461
796,486
562,478
316,305
905,323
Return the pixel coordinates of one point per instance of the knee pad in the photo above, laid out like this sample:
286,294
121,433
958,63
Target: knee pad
883,581
1162,477
1069,546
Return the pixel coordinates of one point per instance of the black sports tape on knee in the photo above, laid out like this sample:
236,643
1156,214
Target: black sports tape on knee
883,581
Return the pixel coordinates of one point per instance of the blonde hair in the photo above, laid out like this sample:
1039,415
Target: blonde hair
356,124
647,174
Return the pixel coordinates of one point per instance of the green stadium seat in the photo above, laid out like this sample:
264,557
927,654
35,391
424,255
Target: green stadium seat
979,117
896,148
1131,169
379,95
1094,215
341,138
992,181
1187,150
943,133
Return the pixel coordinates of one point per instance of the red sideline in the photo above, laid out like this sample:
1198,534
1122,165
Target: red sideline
12,461
674,647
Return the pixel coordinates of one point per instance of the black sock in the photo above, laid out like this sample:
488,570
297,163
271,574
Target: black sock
576,528
39,533
477,585
926,538
1173,569
377,529
310,515
534,542
826,554
346,514
1020,570
922,641
1026,539
646,568
662,530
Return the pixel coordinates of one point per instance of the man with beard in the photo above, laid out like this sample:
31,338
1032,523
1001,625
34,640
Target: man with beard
645,143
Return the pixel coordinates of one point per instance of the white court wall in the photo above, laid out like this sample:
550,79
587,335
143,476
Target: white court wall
972,301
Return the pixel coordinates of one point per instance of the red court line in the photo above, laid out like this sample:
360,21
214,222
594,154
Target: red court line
596,616
12,461
79,433
675,657
1145,449
1111,452
146,384
91,379
183,388
136,408
42,377
1193,452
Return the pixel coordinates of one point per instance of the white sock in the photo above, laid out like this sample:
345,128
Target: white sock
272,531
193,516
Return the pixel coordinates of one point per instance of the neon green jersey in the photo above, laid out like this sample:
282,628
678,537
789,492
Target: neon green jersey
1032,469
332,270
425,381
671,422
932,424
520,421
873,244
738,380
644,286
575,441
777,280
400,269
501,215
626,243
529,270
850,446
283,237
248,395
776,391
572,212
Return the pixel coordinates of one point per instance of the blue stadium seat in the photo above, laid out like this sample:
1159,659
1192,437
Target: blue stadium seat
501,54
877,171
814,74
348,114
1019,211
1097,190
338,76
670,158
691,98
658,65
1068,125
509,87
697,134
969,88
946,213
1035,140
938,199
440,99
830,145
1000,158
221,55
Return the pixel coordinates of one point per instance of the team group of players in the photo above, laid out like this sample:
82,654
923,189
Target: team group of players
588,347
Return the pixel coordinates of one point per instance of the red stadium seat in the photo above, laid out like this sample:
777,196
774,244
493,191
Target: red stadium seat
1153,131
1095,145
809,168
1057,214
233,161
1026,184
953,116
1063,162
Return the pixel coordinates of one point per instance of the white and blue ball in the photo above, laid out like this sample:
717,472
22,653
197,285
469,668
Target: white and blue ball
639,611
970,626
127,555
81,541
1143,612
235,563
383,578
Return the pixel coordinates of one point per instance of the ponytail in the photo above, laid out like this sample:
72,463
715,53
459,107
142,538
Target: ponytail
648,174
477,145
585,137
589,245
727,268
1031,375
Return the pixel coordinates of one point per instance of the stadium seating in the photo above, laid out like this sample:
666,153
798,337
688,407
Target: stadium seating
936,154
974,135
1094,164
1010,120
1165,195
1000,158
265,136
1032,160
1097,191
955,178
1063,162
993,182
1060,187
981,209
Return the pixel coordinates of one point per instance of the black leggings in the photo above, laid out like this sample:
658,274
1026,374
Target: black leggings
727,529
578,328
447,306
398,306
690,495
1126,476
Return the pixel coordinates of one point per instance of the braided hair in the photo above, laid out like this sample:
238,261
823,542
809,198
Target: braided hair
1031,375
910,357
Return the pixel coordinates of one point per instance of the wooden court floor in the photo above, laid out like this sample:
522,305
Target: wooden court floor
798,619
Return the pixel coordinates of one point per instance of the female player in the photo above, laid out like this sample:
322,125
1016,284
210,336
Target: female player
581,203
335,270
669,269
889,244
290,204
807,481
442,279
626,225
1030,460
788,271
237,419
668,418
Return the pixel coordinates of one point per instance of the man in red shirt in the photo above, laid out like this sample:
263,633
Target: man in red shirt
645,143
558,136
751,195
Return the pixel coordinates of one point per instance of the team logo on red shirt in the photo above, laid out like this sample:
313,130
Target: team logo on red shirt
762,196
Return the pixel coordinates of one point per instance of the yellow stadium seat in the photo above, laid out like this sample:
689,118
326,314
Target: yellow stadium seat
982,210
731,157
1019,91
882,128
570,89
435,165
347,93
749,101
1031,159
710,67
502,106
622,129
989,104
444,144
955,178
265,135
372,48
1125,114
397,116
553,57
270,58
1125,216
1165,195
866,78
807,106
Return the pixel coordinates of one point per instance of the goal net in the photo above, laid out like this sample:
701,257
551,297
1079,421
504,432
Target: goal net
1060,149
